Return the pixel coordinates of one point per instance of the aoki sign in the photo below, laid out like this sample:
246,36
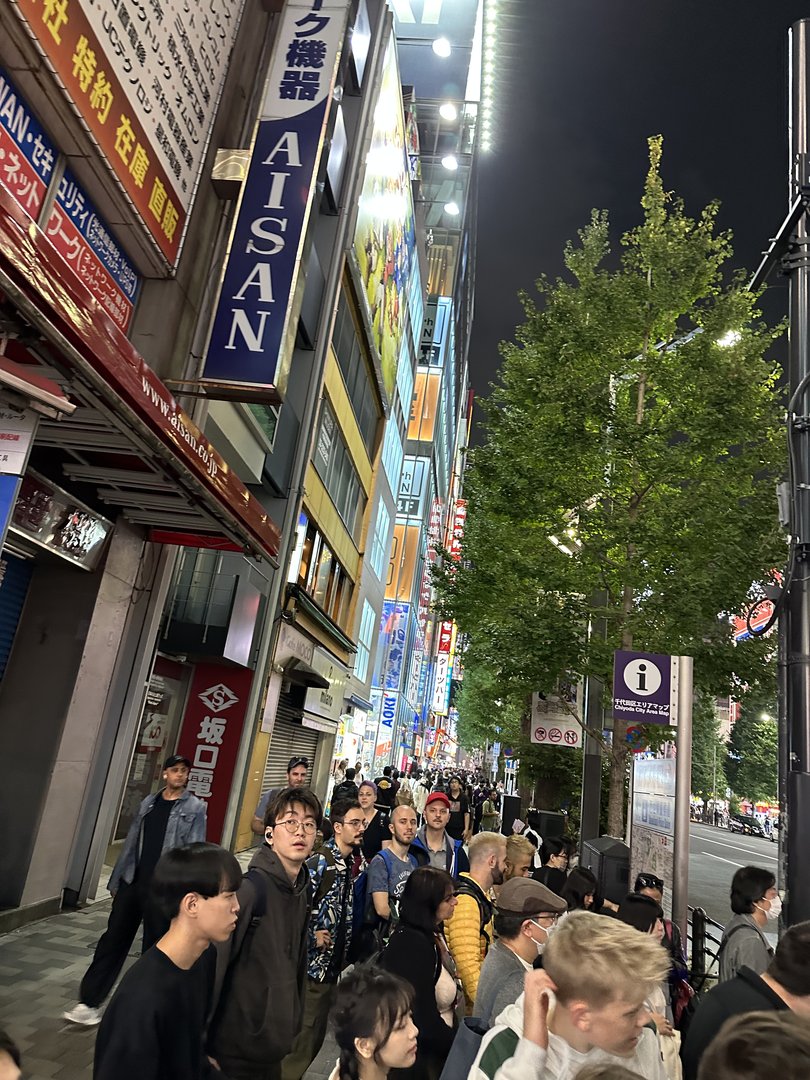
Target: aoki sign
254,323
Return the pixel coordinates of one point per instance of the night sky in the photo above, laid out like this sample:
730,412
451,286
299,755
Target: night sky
582,84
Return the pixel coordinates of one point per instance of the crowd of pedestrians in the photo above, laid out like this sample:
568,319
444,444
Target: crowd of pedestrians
396,935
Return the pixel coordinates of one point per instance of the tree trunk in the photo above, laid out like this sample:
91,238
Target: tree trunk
525,782
617,795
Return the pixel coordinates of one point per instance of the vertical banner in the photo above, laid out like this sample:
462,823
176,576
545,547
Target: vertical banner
254,324
212,729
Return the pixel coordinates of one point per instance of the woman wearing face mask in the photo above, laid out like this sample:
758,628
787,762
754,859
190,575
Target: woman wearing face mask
756,905
373,1026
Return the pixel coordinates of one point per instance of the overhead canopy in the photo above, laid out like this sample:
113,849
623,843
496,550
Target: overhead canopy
127,436
298,671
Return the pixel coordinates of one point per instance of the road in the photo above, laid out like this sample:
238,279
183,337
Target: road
714,855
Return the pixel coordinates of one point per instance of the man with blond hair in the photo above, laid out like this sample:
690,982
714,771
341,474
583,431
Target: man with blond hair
586,1007
469,932
519,856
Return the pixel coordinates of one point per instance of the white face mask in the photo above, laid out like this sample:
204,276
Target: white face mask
547,930
775,910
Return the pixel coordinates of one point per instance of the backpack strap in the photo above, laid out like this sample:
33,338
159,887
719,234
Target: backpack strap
259,883
467,887
327,877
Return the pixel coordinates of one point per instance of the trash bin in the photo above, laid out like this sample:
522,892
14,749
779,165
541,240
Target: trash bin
609,860
510,809
551,824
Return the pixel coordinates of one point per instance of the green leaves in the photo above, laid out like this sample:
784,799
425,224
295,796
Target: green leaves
620,426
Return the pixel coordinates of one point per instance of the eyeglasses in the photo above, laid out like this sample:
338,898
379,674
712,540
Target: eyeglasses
353,823
549,918
649,881
292,825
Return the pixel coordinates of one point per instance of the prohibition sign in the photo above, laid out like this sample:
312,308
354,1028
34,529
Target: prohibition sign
555,734
571,737
540,734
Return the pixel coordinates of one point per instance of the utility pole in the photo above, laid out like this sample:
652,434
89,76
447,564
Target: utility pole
790,252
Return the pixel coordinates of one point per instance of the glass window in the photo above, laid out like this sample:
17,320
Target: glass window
379,543
393,451
357,374
333,464
320,584
364,640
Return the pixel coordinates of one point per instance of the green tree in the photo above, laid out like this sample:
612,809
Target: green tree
752,761
629,426
709,751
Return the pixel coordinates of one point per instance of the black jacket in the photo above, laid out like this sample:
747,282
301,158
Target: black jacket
746,992
261,971
414,955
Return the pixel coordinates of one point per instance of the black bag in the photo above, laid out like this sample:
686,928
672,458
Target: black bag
466,1044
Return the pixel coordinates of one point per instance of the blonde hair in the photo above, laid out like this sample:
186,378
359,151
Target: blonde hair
597,959
517,846
484,844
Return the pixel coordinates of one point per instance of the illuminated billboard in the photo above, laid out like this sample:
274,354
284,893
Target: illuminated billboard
384,241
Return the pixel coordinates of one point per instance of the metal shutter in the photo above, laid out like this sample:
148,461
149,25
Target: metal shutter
289,738
13,590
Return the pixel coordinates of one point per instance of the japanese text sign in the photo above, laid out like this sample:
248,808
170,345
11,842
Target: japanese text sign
74,227
145,77
254,325
645,687
552,724
211,733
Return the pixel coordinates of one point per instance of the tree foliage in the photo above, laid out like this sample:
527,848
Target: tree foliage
622,427
709,751
752,761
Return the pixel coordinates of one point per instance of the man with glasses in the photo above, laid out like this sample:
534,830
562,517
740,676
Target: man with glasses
330,931
261,973
526,913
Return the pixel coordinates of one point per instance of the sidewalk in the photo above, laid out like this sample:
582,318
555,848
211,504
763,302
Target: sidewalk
41,966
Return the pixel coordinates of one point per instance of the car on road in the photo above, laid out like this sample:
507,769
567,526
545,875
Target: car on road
747,824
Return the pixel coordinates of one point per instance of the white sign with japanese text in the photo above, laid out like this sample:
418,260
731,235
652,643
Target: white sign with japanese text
17,427
171,57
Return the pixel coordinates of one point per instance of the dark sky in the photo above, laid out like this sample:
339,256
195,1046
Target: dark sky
583,83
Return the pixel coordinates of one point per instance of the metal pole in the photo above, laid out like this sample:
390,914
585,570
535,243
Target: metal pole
797,264
683,784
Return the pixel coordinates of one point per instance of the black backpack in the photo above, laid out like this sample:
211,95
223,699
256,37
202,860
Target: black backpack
467,887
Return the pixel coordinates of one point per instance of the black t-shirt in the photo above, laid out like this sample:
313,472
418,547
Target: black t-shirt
458,808
386,791
153,1027
154,831
552,877
376,831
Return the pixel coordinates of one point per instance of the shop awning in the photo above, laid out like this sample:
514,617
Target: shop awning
129,437
39,393
298,671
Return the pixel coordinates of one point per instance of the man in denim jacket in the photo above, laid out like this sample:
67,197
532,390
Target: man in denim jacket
169,819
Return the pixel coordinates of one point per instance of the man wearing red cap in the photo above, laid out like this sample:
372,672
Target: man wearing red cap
433,846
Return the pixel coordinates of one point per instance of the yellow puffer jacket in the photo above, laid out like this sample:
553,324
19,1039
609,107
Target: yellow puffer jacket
467,944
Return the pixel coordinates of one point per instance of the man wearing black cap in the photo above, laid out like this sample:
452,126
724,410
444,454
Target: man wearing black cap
526,913
169,819
296,777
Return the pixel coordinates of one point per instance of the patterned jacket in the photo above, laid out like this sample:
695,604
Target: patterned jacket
336,907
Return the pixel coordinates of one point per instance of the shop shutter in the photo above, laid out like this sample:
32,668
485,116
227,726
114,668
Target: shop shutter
289,737
13,590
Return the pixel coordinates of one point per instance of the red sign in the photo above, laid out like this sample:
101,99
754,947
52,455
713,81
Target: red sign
19,176
445,637
63,32
210,736
106,356
459,521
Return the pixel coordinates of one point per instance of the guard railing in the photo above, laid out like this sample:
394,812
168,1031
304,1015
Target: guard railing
704,936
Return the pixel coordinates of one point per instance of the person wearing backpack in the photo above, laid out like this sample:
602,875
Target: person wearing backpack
390,868
260,977
330,932
470,932
755,903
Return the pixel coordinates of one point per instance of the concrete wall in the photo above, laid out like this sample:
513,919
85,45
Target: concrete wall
51,705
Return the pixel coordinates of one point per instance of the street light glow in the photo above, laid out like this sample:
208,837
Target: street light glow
448,111
450,162
442,47
452,209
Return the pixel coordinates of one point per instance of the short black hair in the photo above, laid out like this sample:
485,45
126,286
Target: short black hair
748,887
387,770
639,911
551,846
507,924
8,1046
424,891
790,966
284,799
341,807
581,882
206,869
351,773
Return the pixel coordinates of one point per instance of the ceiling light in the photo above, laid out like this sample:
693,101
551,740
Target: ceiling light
452,209
442,47
448,111
450,161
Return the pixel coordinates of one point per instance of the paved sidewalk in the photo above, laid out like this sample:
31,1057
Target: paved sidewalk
41,966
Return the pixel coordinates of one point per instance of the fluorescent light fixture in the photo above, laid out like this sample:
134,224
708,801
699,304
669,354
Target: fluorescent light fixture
450,162
452,209
448,111
442,47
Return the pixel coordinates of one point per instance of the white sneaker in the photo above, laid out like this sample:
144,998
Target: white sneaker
83,1014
